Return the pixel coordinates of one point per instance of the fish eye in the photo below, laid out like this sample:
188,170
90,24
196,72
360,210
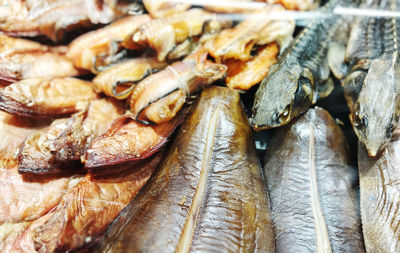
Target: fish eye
360,121
284,116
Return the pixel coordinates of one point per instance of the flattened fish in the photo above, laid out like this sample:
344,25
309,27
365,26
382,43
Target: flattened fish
372,87
164,8
89,207
53,17
207,195
311,177
260,28
380,197
163,34
159,97
46,98
244,75
119,80
127,142
22,59
300,77
88,48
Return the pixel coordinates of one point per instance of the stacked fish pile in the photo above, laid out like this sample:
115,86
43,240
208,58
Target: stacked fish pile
118,135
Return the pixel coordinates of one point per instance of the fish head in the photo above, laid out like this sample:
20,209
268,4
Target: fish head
285,93
376,111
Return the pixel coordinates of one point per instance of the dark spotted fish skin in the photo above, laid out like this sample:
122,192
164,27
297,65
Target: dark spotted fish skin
371,88
292,85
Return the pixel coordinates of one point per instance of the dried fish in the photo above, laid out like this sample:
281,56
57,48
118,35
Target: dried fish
61,146
221,7
88,208
163,34
25,198
260,28
22,59
379,190
301,5
127,142
53,17
163,8
372,89
310,177
207,195
244,75
300,76
87,50
46,98
159,97
118,81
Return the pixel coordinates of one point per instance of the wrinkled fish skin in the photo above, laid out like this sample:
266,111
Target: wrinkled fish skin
311,178
379,191
372,88
208,193
46,97
296,81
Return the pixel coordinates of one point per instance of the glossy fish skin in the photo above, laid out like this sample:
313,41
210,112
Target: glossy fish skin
168,90
86,48
310,158
128,74
244,75
379,193
260,28
46,98
54,17
163,34
372,87
22,59
89,207
292,84
127,142
207,195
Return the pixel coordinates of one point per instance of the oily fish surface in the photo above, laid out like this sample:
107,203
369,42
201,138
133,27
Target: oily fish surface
311,179
208,193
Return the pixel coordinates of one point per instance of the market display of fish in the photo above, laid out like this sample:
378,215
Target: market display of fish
119,80
163,34
380,197
22,59
53,18
207,194
97,49
46,97
116,134
310,177
372,87
300,77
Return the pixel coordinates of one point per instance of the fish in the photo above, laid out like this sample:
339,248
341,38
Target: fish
159,97
88,208
260,28
311,180
371,88
162,8
53,18
163,34
46,97
23,59
244,75
127,142
300,77
90,50
299,5
379,193
207,194
60,147
119,80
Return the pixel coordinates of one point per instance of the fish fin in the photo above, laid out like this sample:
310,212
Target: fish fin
336,59
325,88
